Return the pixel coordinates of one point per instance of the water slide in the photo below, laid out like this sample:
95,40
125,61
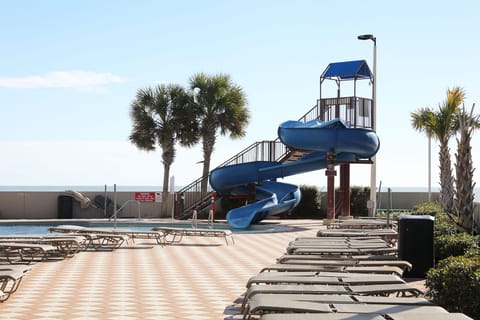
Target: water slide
318,137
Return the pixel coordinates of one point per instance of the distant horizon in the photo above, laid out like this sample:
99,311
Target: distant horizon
159,188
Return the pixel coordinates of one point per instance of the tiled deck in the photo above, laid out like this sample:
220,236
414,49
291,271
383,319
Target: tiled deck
198,279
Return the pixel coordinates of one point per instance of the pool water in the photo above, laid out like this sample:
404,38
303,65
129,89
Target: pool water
41,227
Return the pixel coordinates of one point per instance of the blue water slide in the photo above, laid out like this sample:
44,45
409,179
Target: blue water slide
275,198
349,144
333,135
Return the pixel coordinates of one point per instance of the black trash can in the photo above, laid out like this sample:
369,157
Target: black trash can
415,243
65,207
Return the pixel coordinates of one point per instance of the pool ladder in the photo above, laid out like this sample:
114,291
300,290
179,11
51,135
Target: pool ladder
116,211
195,218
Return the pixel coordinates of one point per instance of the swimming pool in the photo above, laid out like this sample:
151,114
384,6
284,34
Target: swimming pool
42,226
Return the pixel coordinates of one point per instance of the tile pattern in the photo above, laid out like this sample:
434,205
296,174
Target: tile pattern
200,278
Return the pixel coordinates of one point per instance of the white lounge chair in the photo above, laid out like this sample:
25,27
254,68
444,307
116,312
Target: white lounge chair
97,238
10,278
176,234
27,252
304,303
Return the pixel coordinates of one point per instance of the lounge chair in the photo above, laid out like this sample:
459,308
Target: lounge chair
15,267
159,236
176,234
292,248
69,245
271,303
358,239
346,251
128,234
352,261
337,241
426,316
361,224
401,289
325,316
27,252
9,283
333,278
97,238
342,243
343,246
281,267
387,234
349,316
345,298
10,278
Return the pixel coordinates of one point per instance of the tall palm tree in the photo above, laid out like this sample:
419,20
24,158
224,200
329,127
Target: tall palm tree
160,119
221,108
442,125
464,195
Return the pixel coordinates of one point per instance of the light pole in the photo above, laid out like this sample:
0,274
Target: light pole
429,168
373,169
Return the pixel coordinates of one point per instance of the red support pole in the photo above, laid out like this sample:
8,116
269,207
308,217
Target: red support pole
345,189
212,205
330,173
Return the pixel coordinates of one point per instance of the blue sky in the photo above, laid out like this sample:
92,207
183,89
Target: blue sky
70,69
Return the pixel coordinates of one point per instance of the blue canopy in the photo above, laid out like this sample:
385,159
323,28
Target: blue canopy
348,70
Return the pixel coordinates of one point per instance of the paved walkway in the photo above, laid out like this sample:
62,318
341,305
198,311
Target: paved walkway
201,278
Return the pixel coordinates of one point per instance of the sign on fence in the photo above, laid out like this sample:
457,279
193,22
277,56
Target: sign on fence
145,196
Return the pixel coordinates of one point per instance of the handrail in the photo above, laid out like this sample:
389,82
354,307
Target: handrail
124,205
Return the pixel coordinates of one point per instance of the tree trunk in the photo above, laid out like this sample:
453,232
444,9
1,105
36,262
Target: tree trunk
464,177
207,154
166,177
446,178
208,145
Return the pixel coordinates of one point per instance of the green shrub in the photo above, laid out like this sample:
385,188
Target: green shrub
473,252
444,227
444,224
455,285
309,205
394,213
447,245
358,201
430,208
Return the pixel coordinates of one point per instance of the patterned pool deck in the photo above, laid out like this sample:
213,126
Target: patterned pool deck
200,278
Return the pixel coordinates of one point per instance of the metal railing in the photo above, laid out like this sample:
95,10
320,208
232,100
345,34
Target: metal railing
191,197
357,112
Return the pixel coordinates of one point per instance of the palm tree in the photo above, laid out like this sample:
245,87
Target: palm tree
464,195
441,125
160,118
220,108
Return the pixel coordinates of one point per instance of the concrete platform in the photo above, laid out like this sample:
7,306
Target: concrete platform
199,278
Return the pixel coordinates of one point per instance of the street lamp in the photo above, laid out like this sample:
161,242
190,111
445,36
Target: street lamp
373,169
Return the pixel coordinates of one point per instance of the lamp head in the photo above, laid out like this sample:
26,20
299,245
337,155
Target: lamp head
367,37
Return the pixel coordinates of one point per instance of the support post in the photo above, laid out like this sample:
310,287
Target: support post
252,193
345,189
330,173
212,206
115,206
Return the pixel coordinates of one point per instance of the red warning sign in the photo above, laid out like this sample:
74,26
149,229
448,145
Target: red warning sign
145,196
